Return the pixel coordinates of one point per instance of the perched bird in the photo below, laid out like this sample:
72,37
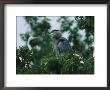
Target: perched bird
33,41
60,44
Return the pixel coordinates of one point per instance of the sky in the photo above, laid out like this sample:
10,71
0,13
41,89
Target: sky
23,26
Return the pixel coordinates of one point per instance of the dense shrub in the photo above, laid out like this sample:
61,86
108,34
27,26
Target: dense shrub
64,63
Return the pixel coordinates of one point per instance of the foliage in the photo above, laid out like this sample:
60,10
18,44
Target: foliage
65,63
44,60
24,57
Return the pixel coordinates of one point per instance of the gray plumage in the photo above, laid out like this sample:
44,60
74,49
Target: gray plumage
60,44
63,45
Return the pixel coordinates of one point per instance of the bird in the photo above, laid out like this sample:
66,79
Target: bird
33,41
60,44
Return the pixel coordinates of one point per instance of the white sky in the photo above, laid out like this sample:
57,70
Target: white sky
23,26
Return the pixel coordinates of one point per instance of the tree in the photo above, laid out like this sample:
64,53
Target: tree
80,61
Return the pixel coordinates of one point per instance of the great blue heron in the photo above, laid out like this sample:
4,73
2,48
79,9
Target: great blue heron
60,44
33,41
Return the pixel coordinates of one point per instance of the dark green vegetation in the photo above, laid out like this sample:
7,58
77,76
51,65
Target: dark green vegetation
45,61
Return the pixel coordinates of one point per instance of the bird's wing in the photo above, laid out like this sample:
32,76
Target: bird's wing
63,45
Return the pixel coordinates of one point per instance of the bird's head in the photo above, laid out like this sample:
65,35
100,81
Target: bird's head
32,34
55,34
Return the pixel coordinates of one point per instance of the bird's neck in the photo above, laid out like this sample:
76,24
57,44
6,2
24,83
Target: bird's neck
55,41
